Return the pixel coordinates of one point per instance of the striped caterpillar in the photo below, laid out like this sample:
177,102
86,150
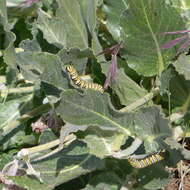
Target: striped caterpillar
81,83
148,160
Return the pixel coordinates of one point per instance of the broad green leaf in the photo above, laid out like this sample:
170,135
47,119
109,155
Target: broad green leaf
88,9
76,57
182,66
12,3
152,127
44,66
126,89
3,12
5,158
183,6
8,37
67,164
103,143
93,108
157,183
104,181
9,55
30,45
113,10
11,110
47,136
176,152
143,24
53,28
97,48
18,139
29,183
74,26
177,87
148,177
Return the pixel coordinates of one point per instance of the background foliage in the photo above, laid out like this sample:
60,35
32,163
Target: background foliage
54,135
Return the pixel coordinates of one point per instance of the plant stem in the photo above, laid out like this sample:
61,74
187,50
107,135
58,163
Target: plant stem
140,101
49,145
4,92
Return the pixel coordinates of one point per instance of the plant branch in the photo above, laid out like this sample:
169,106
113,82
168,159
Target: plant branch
4,92
140,101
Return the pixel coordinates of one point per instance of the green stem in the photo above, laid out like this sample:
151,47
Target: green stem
140,101
4,92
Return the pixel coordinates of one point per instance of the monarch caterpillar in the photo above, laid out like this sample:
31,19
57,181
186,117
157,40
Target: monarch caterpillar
81,83
148,160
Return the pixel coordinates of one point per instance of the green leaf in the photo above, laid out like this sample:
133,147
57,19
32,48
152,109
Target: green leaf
88,9
44,66
76,57
177,87
5,158
28,183
93,108
143,25
67,164
182,66
11,110
97,48
47,136
3,12
152,127
74,26
113,10
157,183
106,181
126,89
103,143
30,45
153,177
53,28
8,37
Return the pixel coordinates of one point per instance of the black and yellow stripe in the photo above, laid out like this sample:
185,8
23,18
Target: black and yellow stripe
148,160
81,83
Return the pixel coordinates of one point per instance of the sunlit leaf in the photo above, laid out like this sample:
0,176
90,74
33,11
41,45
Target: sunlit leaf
74,26
142,27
